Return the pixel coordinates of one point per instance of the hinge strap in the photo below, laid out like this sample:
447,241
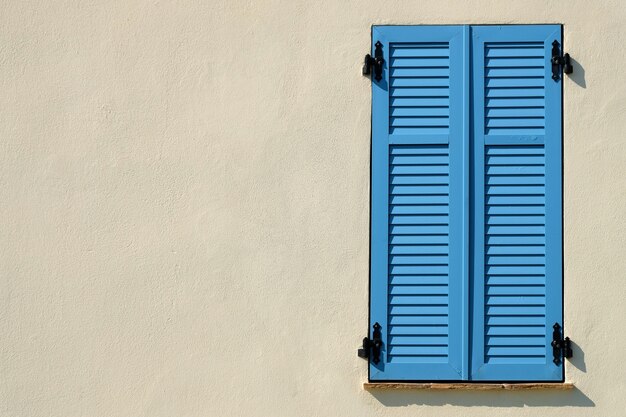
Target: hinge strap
372,345
561,348
559,60
376,62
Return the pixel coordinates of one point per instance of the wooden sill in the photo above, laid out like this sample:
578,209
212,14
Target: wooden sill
466,386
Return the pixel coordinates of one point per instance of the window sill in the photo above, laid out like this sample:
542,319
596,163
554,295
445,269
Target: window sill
562,386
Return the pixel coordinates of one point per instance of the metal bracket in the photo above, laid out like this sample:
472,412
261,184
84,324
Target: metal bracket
377,62
559,61
561,348
374,344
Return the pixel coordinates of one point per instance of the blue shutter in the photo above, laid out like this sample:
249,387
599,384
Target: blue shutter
418,238
517,275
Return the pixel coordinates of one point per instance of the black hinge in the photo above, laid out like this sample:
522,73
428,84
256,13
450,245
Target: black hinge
377,62
561,348
558,60
374,344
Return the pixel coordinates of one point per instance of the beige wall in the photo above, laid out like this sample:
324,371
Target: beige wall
184,204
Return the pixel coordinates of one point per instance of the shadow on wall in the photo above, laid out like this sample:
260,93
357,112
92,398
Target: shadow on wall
544,398
578,75
578,357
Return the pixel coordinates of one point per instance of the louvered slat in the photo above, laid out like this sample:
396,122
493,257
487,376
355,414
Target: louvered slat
420,95
515,273
419,272
514,88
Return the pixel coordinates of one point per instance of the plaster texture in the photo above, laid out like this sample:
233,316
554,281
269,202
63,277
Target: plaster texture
184,208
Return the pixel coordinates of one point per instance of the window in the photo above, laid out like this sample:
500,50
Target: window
466,236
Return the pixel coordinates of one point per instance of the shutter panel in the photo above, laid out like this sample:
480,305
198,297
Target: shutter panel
517,275
417,236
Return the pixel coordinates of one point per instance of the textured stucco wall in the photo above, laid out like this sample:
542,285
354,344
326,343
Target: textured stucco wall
184,208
